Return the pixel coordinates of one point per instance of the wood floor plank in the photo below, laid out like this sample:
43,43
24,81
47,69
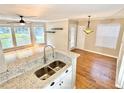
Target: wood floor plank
95,71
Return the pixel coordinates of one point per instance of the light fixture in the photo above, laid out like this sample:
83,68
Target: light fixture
22,24
88,30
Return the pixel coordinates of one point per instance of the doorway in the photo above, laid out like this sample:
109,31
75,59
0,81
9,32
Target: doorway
72,36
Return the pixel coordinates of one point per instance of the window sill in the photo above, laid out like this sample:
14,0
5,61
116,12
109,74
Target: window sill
21,47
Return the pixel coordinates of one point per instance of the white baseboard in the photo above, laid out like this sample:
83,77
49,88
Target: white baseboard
99,53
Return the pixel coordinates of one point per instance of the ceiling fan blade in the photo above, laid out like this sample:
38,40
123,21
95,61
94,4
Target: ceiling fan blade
21,19
13,22
24,16
30,16
28,22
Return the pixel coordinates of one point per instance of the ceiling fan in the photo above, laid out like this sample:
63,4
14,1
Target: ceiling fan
21,21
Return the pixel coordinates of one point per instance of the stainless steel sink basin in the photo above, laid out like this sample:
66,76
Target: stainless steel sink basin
44,73
57,65
49,70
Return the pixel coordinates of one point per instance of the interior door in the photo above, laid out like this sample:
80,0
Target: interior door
72,36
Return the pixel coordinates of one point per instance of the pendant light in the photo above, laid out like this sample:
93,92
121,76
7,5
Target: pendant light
88,30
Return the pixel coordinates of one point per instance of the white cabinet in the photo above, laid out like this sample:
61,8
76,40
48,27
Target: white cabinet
64,81
53,84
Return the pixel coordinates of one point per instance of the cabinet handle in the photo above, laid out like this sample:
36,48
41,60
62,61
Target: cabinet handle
52,83
66,71
60,84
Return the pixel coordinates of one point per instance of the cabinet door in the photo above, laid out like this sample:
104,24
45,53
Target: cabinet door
66,82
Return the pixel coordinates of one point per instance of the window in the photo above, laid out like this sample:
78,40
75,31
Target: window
22,35
107,35
39,34
6,37
18,36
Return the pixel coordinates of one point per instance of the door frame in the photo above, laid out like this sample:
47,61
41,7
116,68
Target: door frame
69,23
118,62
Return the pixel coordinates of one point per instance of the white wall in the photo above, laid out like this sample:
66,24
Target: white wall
60,38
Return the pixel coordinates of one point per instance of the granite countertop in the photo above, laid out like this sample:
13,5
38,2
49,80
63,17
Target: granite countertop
29,80
16,58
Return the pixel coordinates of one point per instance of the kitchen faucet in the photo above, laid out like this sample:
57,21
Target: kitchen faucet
45,52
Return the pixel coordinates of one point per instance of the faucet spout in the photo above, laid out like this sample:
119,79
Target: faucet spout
45,52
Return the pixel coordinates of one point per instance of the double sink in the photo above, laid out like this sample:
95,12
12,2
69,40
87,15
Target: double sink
49,70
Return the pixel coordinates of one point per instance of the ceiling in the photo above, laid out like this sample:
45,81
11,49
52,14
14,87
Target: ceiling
60,11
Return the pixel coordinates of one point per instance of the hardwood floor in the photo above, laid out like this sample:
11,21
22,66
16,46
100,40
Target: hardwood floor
95,71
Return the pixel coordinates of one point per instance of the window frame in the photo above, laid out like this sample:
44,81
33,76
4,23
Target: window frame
35,35
16,38
32,37
105,34
11,35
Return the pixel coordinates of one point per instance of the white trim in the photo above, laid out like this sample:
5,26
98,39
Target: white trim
6,19
57,20
79,18
119,62
99,53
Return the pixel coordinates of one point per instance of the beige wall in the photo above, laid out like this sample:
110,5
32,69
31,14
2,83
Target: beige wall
60,38
89,41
